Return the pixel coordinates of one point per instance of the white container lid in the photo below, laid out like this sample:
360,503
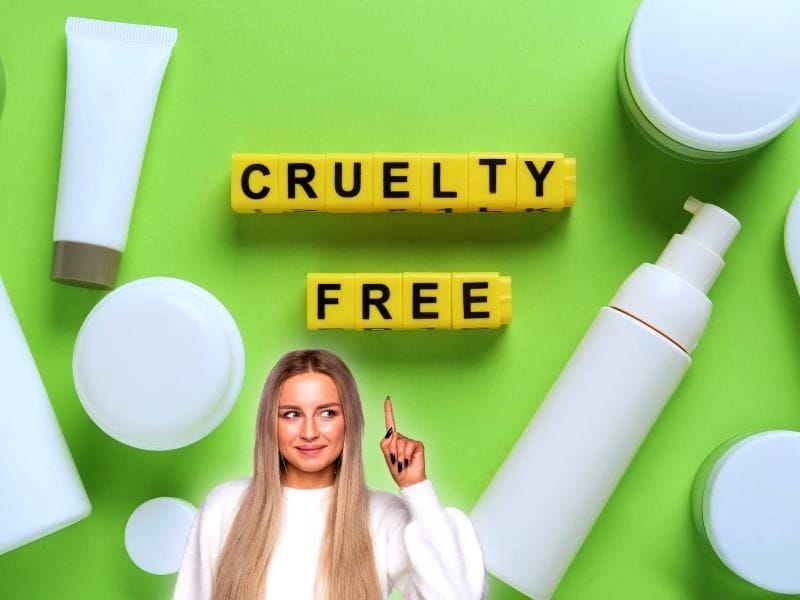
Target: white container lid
751,510
158,363
156,534
718,75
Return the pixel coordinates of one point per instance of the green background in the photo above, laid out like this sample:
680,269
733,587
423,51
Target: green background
265,76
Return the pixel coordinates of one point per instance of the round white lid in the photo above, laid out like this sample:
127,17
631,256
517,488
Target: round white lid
717,75
751,510
156,534
158,363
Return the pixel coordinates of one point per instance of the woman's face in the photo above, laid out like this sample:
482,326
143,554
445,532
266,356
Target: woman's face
310,429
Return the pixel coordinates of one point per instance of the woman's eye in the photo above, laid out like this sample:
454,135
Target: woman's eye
329,412
290,414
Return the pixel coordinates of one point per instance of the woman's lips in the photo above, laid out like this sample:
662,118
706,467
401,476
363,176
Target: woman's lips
309,452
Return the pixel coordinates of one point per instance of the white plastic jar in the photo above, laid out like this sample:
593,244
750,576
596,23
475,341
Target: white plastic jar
746,508
158,363
712,80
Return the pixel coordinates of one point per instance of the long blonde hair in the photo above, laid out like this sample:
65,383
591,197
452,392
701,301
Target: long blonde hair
346,566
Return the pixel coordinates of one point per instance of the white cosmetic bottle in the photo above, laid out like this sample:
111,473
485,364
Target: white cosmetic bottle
543,501
40,489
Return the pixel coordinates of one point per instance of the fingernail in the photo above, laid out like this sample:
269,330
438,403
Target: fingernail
388,432
406,461
399,467
392,458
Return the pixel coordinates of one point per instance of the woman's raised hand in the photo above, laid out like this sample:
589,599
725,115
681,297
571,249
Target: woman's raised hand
404,457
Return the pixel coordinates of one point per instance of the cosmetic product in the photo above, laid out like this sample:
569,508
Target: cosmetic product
158,363
41,489
745,503
388,182
156,534
544,499
791,239
114,72
714,80
371,301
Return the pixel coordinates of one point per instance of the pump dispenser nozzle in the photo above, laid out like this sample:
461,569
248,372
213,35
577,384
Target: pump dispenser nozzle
670,296
696,254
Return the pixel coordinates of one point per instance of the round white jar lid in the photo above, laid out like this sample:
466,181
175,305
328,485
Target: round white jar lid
718,75
158,363
751,510
156,534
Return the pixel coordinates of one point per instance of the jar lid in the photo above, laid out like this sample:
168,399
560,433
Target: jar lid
156,534
158,363
751,510
717,75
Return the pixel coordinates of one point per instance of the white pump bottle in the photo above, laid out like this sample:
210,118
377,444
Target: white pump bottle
542,503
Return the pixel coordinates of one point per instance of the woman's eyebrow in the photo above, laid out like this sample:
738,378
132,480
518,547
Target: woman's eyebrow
330,404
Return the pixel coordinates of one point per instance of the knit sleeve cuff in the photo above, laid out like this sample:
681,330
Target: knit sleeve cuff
421,499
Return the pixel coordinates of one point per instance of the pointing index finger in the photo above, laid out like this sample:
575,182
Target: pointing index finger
387,409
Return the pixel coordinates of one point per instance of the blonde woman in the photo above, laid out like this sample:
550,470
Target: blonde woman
305,526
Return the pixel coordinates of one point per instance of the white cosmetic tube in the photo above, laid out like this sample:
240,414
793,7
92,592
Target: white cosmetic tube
545,498
114,73
40,489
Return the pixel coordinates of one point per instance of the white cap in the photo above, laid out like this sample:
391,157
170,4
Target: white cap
670,296
751,504
696,254
158,363
716,75
156,533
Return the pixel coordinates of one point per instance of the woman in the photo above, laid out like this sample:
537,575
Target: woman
306,527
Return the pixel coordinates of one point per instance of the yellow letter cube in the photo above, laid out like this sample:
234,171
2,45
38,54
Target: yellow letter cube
302,182
542,182
481,300
379,300
330,301
444,183
492,182
254,183
348,183
396,181
426,301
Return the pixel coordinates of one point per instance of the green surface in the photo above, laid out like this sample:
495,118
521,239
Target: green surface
412,76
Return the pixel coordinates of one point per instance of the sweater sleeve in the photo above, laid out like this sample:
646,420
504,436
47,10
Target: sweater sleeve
195,577
434,552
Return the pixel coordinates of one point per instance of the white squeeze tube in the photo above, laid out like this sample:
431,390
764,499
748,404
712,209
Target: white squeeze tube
114,73
40,489
543,501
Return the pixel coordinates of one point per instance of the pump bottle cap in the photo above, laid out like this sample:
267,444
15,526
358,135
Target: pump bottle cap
696,254
670,295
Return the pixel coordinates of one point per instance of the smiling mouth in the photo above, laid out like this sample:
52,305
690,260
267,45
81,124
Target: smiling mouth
311,452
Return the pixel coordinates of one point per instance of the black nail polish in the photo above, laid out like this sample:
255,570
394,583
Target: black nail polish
392,458
399,467
388,433
406,461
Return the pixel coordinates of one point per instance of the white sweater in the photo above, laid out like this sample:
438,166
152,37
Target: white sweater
425,551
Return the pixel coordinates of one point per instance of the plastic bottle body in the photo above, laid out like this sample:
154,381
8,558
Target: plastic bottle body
543,501
40,489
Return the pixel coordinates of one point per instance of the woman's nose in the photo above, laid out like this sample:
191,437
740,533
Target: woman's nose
309,429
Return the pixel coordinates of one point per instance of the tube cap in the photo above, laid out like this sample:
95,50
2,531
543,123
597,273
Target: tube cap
85,265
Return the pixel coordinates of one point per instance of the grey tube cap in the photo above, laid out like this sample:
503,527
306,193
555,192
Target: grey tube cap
85,265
